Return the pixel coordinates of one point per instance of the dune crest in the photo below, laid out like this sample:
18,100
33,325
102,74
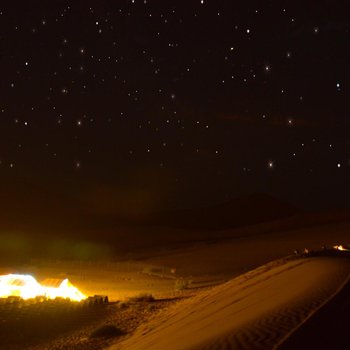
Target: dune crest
253,311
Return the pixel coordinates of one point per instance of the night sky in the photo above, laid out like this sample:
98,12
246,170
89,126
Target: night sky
154,105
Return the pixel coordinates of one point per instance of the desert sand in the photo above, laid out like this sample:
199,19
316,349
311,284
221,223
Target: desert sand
239,288
254,311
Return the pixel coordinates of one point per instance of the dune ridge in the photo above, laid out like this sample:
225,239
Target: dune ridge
313,312
256,310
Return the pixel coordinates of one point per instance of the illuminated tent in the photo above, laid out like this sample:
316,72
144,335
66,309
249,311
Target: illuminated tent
27,287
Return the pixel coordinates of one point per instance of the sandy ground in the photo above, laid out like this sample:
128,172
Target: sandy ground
238,251
326,329
204,291
254,311
50,326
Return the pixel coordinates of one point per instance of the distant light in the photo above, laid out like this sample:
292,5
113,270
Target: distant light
248,31
338,165
340,247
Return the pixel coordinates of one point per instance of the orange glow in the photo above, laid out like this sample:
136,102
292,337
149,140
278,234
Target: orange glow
27,287
340,247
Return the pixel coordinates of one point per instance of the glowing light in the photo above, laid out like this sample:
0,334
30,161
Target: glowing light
27,287
340,247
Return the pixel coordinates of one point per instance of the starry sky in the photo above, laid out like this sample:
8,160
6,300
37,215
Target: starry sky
154,104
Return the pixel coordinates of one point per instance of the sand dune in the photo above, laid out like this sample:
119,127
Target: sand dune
326,329
253,311
257,309
243,211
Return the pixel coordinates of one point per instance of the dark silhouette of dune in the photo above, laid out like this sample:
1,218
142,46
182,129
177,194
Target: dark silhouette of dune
244,211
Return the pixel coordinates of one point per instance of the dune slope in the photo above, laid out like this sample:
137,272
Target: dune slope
326,329
253,311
